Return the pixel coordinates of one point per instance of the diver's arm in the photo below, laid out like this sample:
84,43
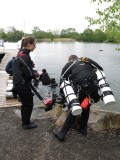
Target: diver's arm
94,64
66,71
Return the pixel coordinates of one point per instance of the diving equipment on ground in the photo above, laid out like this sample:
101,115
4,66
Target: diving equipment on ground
71,98
50,98
106,92
9,94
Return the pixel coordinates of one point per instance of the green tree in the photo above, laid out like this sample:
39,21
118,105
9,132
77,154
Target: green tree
110,36
109,17
56,33
14,35
80,37
50,35
3,35
69,33
88,35
99,35
63,33
38,34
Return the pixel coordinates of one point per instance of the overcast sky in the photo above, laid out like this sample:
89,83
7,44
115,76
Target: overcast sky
46,14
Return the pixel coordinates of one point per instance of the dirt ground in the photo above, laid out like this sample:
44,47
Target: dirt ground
40,143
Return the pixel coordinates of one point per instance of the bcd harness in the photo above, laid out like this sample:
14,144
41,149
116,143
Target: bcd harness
86,80
85,103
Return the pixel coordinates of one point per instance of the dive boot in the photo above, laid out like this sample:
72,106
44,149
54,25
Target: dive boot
82,126
60,135
31,125
82,131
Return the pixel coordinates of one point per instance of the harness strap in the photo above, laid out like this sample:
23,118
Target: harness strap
104,85
106,93
23,62
103,78
66,85
68,95
69,67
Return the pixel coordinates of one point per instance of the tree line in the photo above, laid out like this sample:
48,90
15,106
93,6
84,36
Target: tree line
88,35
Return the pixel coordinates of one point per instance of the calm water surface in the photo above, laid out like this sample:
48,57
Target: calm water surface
54,55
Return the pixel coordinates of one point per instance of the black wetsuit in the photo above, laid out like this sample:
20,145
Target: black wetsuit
84,80
44,78
23,73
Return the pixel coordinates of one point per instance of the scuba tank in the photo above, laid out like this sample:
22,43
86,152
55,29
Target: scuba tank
9,87
10,81
106,92
71,98
9,93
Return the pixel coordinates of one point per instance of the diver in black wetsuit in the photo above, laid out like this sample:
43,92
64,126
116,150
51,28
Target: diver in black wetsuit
84,79
23,73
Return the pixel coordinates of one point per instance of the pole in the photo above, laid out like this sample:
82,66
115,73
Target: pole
24,27
37,94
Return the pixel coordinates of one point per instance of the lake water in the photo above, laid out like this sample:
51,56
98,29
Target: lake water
54,55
